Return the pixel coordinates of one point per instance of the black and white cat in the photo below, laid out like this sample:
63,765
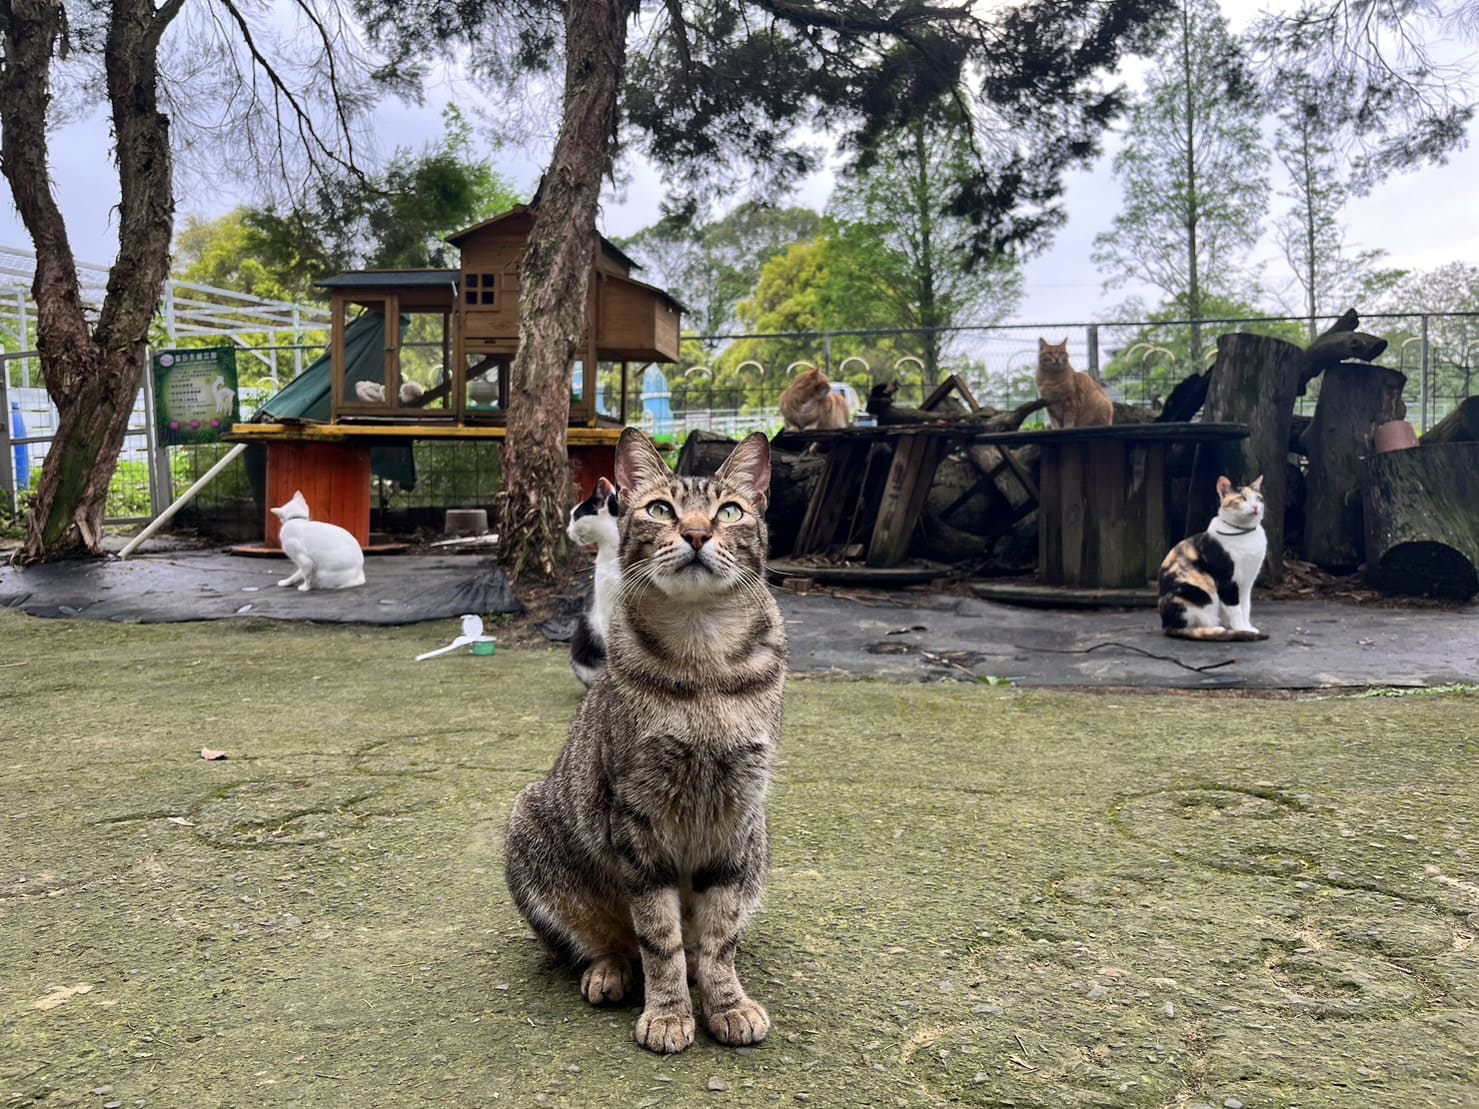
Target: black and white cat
1206,583
593,523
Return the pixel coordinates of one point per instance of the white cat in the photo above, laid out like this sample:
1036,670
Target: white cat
327,556
593,521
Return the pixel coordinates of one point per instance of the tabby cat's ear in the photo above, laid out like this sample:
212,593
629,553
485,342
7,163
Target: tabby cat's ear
1042,344
748,468
638,464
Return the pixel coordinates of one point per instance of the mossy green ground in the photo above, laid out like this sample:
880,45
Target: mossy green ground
984,896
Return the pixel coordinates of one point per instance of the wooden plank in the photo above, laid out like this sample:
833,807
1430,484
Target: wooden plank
346,433
1108,518
829,500
1072,459
915,460
1150,464
1050,517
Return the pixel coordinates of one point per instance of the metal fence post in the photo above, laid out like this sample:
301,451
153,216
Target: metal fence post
1422,395
1093,338
7,453
161,487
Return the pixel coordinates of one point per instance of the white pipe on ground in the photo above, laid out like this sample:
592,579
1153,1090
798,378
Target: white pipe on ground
182,500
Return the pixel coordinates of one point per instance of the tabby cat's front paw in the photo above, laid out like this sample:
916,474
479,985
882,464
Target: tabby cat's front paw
665,1033
606,981
746,1023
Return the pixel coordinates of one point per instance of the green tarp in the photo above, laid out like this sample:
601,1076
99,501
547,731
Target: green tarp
309,396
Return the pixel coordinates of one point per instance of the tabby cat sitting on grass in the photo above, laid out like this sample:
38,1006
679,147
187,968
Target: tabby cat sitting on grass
1207,579
1074,399
648,839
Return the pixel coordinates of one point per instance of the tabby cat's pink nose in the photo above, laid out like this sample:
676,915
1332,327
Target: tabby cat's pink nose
697,536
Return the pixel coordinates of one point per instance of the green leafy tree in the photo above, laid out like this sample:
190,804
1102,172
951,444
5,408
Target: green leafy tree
1150,361
397,218
905,252
711,266
721,94
1450,294
1193,168
1315,142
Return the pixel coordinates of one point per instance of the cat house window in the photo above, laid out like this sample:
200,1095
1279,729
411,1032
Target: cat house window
480,289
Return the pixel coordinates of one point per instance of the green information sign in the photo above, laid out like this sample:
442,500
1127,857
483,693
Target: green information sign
195,394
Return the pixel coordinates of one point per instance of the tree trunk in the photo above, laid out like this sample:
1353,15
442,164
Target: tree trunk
91,377
1354,398
1459,426
554,278
1422,520
1254,381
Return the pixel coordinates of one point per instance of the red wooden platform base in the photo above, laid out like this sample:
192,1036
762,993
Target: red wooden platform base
333,478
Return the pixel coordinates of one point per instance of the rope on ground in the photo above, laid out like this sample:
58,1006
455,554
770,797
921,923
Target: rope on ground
1127,647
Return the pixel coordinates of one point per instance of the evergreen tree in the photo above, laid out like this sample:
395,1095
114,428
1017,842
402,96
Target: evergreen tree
908,252
711,266
1194,171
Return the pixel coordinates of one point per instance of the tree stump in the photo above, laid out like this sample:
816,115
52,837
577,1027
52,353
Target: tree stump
1254,382
1422,520
1459,426
1354,398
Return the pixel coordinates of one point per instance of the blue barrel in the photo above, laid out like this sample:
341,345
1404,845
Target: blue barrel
22,450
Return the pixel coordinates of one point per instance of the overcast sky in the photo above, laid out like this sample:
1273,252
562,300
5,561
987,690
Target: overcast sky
1422,219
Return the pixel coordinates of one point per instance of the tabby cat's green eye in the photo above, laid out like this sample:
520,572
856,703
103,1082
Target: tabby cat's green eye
660,510
729,513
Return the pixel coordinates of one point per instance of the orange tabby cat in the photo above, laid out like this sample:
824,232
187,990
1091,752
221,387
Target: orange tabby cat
809,402
1074,399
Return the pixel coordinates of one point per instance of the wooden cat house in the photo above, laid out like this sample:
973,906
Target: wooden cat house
451,335
426,354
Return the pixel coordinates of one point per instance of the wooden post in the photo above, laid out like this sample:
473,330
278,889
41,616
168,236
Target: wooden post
1354,398
1254,382
1422,520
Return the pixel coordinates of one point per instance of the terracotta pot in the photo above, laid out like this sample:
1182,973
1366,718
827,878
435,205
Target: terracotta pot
1394,435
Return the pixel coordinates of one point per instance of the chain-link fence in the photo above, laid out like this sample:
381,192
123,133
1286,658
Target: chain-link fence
730,384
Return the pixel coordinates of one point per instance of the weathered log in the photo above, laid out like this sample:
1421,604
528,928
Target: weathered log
1185,400
1459,426
1354,398
1341,342
1254,382
1422,520
703,452
1010,420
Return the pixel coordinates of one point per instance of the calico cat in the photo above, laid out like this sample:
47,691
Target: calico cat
1207,580
593,523
809,402
326,556
648,839
1074,399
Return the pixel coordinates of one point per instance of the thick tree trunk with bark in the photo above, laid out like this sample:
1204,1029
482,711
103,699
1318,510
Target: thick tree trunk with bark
1354,398
1422,520
92,376
1254,381
553,280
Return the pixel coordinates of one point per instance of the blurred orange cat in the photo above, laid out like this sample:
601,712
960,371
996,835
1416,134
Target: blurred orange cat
809,403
